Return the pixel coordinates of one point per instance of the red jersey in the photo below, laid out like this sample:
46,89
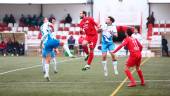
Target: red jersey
88,25
132,44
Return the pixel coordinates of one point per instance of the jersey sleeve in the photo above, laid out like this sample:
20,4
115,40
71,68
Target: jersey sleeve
125,41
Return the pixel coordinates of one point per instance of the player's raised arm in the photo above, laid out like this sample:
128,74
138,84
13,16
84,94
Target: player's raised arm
120,46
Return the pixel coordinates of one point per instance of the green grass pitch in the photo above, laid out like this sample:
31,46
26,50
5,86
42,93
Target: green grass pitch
22,76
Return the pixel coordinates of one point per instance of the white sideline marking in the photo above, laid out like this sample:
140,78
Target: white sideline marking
59,82
19,69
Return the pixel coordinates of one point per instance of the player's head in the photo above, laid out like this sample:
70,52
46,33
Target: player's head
136,29
129,32
53,21
83,14
110,20
45,20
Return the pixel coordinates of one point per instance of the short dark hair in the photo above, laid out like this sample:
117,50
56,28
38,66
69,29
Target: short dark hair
138,28
111,19
84,12
129,32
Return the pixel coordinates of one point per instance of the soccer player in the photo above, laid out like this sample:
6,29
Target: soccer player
107,44
45,28
88,25
48,43
134,59
137,35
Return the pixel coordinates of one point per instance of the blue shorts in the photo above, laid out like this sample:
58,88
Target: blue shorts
49,45
45,53
107,47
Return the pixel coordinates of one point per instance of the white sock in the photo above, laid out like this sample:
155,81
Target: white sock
55,64
46,70
43,64
115,67
104,63
67,50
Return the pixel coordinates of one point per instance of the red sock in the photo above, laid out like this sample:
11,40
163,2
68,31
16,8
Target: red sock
90,58
140,74
129,75
85,49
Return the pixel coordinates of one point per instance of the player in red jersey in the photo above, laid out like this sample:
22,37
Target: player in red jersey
88,25
134,59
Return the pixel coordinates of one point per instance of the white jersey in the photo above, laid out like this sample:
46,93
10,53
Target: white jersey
138,37
108,32
45,30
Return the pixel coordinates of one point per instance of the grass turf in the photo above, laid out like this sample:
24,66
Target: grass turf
71,81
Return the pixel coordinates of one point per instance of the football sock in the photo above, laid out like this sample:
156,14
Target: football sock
46,70
85,49
104,63
115,67
129,75
67,50
140,74
90,58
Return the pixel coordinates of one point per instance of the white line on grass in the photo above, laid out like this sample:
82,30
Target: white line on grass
76,82
19,69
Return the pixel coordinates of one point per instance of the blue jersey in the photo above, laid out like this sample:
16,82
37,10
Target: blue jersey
107,36
108,32
49,40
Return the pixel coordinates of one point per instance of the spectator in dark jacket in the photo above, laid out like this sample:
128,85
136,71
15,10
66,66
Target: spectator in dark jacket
164,45
71,42
68,19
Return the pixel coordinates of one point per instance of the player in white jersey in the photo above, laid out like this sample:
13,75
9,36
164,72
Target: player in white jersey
107,32
137,35
44,29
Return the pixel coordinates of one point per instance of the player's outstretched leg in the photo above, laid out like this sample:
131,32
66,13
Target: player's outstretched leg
65,46
132,80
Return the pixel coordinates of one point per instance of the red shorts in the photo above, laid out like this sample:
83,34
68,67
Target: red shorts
92,40
134,59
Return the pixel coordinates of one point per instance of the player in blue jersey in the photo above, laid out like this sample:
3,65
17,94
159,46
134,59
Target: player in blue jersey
45,28
107,32
48,44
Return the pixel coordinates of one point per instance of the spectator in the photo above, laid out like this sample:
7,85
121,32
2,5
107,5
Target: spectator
16,47
164,45
21,49
6,19
10,47
34,20
71,42
80,40
11,19
3,48
40,20
150,20
22,20
68,19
